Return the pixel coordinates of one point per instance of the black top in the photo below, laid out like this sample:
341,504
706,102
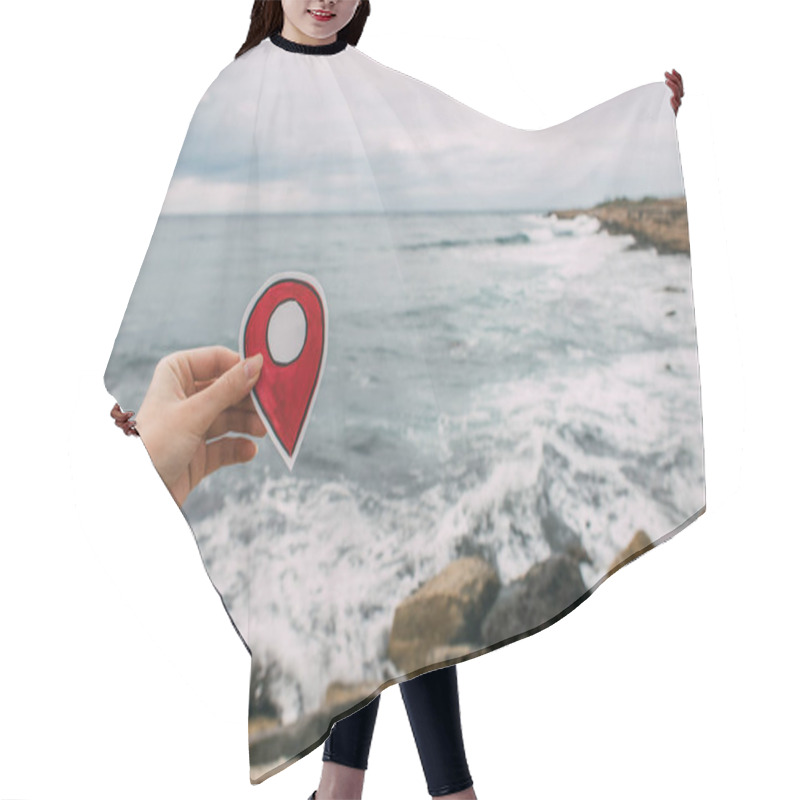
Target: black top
308,49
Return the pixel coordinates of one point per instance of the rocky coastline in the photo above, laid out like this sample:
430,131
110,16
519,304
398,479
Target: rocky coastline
654,222
462,611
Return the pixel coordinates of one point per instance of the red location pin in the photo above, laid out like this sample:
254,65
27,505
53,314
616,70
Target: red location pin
287,322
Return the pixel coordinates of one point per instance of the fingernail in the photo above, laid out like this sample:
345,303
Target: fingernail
252,365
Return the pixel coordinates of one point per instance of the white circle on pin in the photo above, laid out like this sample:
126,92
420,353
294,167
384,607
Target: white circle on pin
286,332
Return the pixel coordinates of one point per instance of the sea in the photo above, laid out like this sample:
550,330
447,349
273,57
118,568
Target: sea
496,384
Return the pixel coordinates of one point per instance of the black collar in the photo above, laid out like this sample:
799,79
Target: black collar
308,49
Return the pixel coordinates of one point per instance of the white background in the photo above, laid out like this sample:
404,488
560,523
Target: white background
120,674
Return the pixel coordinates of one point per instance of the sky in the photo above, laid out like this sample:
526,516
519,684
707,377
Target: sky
281,132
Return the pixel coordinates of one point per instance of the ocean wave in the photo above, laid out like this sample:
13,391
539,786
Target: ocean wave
511,239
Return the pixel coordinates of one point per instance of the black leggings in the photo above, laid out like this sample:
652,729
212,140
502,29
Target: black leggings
432,705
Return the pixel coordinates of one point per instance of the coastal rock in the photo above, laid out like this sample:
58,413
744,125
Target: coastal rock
635,548
546,589
343,694
560,537
269,745
270,742
654,222
446,652
258,726
446,610
451,616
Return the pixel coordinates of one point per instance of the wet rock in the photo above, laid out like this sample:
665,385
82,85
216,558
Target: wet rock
545,591
448,609
447,652
635,548
341,694
558,535
271,743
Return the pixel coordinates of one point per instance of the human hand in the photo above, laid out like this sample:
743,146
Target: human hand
675,82
123,419
193,397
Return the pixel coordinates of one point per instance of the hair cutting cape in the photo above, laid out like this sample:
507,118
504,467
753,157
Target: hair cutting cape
480,380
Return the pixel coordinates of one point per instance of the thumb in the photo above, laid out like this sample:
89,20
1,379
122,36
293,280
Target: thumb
227,390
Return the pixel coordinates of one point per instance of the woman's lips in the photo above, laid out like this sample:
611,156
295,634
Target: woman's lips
323,16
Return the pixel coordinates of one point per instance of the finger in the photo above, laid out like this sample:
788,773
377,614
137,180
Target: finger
235,420
207,363
245,404
675,100
229,389
674,79
120,415
228,451
199,385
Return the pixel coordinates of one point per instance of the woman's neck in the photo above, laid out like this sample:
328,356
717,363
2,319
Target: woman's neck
279,40
294,34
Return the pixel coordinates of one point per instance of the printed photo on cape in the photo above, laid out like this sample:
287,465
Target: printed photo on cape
480,379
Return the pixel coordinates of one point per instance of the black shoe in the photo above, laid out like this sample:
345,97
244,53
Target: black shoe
313,795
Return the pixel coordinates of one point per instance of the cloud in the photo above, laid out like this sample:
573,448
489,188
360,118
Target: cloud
275,133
